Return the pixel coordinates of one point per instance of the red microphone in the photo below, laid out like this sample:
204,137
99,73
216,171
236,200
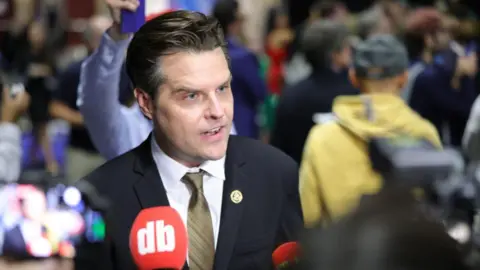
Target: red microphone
285,255
158,239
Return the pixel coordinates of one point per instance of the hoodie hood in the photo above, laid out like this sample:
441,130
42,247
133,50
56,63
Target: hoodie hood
378,115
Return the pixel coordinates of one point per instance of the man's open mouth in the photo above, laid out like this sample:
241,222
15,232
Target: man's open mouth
213,131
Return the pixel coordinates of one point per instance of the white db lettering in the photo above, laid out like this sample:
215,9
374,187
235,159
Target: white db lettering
156,237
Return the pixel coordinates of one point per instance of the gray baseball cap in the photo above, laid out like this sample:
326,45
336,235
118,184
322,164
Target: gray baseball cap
380,57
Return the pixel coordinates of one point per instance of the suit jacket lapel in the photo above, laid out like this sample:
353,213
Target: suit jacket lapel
149,188
231,211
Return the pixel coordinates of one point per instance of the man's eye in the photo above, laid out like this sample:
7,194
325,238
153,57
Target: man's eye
191,96
223,88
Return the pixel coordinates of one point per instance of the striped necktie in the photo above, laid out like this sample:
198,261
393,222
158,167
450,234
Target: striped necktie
201,248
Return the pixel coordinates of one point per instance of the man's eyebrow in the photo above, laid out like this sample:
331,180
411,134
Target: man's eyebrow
229,80
184,89
188,89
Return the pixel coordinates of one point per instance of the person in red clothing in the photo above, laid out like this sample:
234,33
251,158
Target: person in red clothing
279,35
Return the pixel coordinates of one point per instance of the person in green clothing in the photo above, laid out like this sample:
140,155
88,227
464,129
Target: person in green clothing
268,108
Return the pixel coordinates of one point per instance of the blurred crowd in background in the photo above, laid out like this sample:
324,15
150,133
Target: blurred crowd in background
43,44
290,61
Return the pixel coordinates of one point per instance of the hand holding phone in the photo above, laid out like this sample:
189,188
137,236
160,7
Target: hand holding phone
116,8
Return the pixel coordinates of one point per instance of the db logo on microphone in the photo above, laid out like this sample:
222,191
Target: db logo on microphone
158,239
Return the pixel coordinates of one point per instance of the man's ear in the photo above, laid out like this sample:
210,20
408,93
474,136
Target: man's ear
145,102
353,78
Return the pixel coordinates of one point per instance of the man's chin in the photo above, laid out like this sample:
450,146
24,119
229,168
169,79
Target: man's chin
215,154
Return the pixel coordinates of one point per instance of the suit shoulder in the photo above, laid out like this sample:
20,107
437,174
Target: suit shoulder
265,154
106,175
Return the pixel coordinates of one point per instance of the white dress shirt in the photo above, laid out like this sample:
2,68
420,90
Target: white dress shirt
113,128
178,192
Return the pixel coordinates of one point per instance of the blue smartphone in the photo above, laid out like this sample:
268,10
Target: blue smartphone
148,9
132,21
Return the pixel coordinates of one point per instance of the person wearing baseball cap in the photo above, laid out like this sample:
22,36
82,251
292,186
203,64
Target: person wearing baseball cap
336,171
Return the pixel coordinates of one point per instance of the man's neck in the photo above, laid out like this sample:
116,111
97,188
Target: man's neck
169,150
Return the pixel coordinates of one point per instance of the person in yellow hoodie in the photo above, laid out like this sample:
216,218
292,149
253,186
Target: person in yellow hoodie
336,171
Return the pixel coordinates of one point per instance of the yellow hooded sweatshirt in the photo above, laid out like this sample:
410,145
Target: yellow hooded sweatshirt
336,170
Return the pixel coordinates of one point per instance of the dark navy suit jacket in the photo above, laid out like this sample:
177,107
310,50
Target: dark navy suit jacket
269,214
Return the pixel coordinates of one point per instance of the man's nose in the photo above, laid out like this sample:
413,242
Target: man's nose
215,109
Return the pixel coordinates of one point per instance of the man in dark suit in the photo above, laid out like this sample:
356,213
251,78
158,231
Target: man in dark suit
241,193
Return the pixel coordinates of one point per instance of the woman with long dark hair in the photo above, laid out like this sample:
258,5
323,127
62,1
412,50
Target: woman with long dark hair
39,69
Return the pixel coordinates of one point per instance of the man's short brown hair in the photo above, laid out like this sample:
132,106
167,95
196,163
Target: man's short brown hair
169,33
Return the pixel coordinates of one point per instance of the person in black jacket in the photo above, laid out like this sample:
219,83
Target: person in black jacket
326,48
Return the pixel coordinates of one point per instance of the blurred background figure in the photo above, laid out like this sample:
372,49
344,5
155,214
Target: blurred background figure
389,231
420,36
336,171
11,108
326,47
277,40
445,90
297,67
29,225
39,69
372,22
82,156
249,90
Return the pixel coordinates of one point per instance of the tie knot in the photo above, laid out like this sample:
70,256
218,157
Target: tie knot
194,180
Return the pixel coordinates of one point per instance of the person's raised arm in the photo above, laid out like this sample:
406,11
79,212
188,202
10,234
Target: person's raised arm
98,91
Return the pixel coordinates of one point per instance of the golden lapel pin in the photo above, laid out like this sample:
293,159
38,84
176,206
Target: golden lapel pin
236,196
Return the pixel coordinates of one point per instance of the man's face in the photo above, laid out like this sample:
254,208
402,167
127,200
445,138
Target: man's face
194,107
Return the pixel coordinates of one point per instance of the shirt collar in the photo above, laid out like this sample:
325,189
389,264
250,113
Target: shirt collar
172,171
